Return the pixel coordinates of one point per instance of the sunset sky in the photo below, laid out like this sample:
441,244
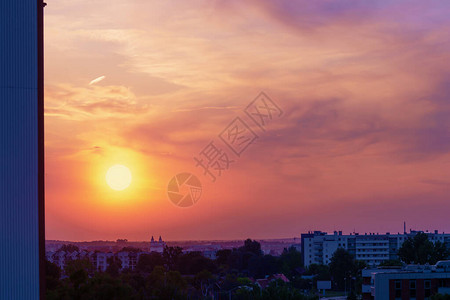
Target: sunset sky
363,143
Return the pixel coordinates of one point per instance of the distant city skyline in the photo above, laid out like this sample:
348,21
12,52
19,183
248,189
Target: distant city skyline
135,90
124,239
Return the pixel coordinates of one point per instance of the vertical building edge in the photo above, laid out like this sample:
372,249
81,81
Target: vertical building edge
41,156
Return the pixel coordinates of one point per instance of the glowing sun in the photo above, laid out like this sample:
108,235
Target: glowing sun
118,177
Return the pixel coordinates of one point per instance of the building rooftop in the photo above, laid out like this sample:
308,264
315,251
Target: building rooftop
442,266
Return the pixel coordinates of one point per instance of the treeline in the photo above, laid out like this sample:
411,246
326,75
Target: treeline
177,275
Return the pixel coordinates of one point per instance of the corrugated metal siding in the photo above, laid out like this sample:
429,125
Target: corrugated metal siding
19,238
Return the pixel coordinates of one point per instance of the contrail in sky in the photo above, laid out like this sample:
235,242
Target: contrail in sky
97,80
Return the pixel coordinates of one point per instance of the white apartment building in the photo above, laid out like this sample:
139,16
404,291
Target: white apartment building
128,259
318,247
100,260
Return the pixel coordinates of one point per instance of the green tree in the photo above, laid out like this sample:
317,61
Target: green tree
69,248
130,249
171,256
52,275
441,252
252,247
391,263
204,281
114,266
236,260
222,256
276,290
194,262
83,264
136,281
419,250
290,261
352,296
104,287
356,287
262,266
342,267
283,291
166,285
322,272
78,271
147,262
239,258
156,277
440,297
230,282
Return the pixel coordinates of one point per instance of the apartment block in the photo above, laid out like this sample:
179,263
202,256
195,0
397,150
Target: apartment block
318,247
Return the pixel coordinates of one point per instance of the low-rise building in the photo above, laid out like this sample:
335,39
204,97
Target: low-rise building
411,282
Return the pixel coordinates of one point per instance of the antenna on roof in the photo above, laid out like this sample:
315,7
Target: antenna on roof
404,227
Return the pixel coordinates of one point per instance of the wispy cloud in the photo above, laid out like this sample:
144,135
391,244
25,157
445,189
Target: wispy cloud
93,103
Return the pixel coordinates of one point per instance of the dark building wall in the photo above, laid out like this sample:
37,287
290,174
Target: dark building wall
302,244
391,289
351,246
21,150
393,249
367,296
405,289
420,288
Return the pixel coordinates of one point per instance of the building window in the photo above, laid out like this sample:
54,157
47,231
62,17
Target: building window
412,289
398,289
427,285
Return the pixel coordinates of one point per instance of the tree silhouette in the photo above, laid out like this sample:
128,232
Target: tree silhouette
419,250
69,248
344,268
147,262
171,256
